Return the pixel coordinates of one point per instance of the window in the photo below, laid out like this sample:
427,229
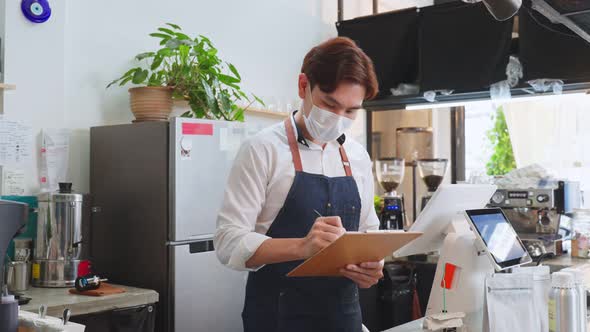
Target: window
553,132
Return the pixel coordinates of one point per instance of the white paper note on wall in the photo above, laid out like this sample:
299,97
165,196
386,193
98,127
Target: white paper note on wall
16,143
55,149
13,181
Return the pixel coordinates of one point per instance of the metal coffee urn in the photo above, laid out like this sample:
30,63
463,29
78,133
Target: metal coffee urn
58,248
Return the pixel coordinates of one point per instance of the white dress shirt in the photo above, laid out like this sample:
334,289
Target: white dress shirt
260,179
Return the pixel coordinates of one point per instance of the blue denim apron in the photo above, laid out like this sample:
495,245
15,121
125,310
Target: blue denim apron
275,302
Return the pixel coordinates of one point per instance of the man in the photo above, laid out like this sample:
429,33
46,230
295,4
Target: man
283,179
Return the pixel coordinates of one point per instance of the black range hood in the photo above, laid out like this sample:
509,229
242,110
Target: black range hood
460,47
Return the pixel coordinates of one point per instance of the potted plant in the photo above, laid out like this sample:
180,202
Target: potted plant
189,69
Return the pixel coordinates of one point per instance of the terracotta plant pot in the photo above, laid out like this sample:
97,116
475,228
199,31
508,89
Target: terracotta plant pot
151,103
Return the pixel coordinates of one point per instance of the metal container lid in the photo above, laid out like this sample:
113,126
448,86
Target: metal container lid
64,194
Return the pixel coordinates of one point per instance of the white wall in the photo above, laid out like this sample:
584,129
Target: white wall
61,67
34,61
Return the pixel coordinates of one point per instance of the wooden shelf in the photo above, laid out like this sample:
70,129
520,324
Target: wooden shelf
4,86
262,112
249,111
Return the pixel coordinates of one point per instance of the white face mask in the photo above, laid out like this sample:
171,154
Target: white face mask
324,126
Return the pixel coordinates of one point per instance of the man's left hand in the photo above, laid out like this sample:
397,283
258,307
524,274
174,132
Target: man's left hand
364,275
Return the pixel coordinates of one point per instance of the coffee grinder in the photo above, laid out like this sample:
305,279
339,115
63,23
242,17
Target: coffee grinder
432,172
390,173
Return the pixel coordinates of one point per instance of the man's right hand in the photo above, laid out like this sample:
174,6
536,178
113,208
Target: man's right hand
324,231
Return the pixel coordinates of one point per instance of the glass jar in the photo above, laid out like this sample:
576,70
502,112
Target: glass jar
581,233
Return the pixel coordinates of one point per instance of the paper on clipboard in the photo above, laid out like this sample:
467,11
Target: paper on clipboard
352,248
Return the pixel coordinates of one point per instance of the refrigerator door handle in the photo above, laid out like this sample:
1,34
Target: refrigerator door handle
199,247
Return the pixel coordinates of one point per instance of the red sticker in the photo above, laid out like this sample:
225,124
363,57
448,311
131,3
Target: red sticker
205,129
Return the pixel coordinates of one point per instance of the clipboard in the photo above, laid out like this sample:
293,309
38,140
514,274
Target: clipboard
352,248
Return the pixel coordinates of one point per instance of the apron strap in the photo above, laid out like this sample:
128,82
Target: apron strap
295,150
345,161
293,145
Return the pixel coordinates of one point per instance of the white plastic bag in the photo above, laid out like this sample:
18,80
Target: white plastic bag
500,92
405,89
545,84
513,71
541,280
508,299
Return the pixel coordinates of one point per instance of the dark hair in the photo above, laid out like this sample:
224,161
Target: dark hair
340,60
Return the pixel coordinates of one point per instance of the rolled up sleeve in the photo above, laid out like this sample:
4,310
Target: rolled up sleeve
235,238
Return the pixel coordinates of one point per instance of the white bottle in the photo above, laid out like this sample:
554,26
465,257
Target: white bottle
581,290
563,303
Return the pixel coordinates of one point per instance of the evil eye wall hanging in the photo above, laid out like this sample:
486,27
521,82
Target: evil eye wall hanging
36,11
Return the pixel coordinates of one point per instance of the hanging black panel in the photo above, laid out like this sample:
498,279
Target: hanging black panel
550,50
389,39
576,10
462,47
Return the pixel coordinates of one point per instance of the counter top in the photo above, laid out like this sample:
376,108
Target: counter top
58,299
413,326
557,263
566,260
416,326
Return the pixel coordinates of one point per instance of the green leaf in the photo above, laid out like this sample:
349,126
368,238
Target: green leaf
139,76
238,115
165,52
159,35
233,69
258,100
127,74
168,31
144,55
212,52
182,36
157,62
152,81
112,82
208,92
174,26
225,103
126,80
187,114
206,40
227,79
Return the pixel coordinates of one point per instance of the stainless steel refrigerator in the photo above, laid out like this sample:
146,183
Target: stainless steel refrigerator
157,188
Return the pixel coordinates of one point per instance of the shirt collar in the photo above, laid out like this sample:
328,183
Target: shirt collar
301,138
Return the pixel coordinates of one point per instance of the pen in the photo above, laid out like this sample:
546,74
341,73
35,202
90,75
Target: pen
316,212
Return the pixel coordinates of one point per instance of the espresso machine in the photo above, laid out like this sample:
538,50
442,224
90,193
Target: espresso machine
390,173
535,214
432,172
58,249
13,219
